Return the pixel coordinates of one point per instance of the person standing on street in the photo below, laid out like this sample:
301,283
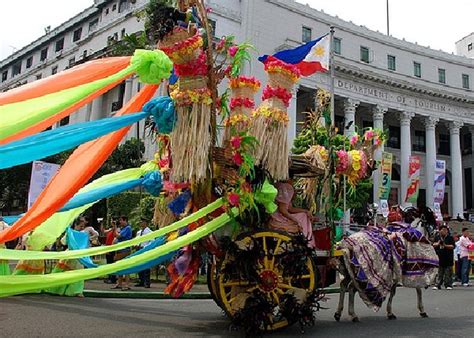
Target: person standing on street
144,276
123,235
464,243
109,256
444,246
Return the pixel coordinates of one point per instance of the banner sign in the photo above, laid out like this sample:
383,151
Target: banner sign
439,181
41,174
384,210
386,176
437,211
414,179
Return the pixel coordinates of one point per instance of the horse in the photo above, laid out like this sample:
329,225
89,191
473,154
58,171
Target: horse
421,220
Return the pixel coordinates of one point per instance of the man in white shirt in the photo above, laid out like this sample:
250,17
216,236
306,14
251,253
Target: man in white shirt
464,243
144,276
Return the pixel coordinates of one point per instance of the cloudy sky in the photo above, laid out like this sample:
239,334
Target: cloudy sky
434,23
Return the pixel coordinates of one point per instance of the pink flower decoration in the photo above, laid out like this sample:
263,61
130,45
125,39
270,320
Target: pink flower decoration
343,161
237,158
363,165
354,139
234,199
221,44
378,142
235,141
163,163
233,50
369,135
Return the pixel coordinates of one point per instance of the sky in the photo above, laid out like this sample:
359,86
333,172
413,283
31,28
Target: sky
435,23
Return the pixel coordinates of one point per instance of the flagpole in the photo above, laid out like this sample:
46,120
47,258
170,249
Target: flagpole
331,65
388,20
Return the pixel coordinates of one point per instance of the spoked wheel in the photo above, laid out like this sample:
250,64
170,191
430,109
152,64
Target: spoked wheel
270,264
212,281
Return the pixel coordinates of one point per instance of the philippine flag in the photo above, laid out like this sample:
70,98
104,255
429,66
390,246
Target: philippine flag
310,58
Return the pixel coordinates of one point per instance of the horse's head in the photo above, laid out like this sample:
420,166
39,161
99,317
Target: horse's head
424,220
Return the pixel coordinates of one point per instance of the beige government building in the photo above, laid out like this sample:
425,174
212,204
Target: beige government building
424,97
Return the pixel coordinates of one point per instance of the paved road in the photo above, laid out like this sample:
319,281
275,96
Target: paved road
451,315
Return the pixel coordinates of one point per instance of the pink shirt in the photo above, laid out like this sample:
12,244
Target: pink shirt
464,243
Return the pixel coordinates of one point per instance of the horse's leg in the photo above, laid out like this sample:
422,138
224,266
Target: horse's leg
421,308
390,314
342,293
352,292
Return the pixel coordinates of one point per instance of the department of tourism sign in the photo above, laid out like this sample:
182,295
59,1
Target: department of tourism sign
41,174
414,179
386,176
439,181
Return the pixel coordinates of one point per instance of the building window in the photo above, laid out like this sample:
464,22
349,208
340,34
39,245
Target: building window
93,24
441,75
364,54
339,122
391,62
306,34
419,142
444,145
59,45
16,69
29,62
367,124
469,47
123,5
64,121
467,144
44,54
122,33
5,76
417,69
114,7
54,70
72,61
212,24
337,46
107,11
465,81
84,54
39,76
77,34
393,137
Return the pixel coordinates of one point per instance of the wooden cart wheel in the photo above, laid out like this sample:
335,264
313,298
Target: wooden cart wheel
271,278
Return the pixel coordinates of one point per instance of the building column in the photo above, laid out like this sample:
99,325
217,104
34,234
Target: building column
430,132
350,106
405,153
97,108
292,111
128,91
377,116
456,169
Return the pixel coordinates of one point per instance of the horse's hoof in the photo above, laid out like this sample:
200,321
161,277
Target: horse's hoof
355,320
391,317
337,316
423,315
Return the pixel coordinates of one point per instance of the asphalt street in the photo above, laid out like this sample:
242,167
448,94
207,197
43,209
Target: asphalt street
451,315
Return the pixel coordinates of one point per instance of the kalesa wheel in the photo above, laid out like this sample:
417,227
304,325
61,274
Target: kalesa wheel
269,267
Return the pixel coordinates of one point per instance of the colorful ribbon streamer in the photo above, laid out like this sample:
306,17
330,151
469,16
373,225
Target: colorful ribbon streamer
75,172
54,141
13,285
8,254
77,240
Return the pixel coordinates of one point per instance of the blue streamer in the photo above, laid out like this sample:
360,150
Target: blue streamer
164,115
148,265
60,139
77,240
153,183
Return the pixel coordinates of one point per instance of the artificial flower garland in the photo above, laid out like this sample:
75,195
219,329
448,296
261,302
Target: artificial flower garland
193,68
241,102
190,96
272,114
279,92
277,66
244,81
236,119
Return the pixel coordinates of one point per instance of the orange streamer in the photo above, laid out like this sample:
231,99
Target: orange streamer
42,125
78,75
75,173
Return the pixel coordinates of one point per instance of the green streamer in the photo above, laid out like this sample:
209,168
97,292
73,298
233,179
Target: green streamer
13,285
54,226
6,254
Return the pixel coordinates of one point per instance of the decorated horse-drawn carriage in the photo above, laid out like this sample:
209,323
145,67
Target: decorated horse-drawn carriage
268,221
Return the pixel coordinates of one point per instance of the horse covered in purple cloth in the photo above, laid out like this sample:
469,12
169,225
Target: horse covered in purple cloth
377,259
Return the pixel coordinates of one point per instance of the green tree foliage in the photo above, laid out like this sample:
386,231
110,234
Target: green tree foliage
130,43
124,203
